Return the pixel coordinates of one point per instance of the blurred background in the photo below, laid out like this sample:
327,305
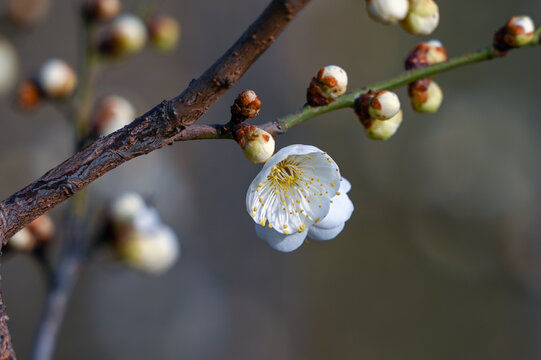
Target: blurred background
440,260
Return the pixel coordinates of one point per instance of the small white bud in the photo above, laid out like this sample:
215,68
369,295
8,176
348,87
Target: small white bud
113,112
384,105
23,240
126,35
383,129
423,17
426,99
124,209
521,30
333,81
56,79
9,66
387,11
151,250
257,144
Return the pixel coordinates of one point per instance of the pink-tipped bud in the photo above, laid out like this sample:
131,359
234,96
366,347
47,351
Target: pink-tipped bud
423,17
384,105
426,96
387,11
56,79
101,10
257,144
330,82
112,112
126,35
246,106
164,32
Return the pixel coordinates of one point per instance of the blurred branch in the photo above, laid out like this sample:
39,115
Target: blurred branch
153,130
6,347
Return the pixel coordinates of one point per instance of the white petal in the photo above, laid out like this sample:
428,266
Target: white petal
340,212
321,234
279,241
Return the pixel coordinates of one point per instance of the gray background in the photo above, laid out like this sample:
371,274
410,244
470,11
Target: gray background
440,260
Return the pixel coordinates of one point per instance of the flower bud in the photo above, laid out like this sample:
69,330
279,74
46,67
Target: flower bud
330,82
387,11
256,143
27,12
246,106
101,10
9,66
28,95
423,17
56,79
383,129
23,240
518,31
384,105
112,112
126,35
42,228
124,208
426,96
151,250
164,32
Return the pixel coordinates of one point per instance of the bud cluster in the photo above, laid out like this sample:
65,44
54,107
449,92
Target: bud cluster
418,17
517,32
380,114
38,233
329,83
426,96
138,236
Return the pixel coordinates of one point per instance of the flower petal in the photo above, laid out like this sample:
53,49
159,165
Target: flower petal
279,241
322,234
339,212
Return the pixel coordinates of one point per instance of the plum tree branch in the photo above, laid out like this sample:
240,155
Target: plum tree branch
153,130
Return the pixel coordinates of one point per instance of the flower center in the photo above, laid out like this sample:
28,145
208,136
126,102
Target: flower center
284,173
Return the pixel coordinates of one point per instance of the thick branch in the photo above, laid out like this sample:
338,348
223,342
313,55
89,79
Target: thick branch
153,130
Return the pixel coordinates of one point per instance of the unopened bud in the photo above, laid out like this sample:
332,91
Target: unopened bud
256,143
56,79
151,250
423,17
387,11
384,105
28,95
164,32
330,82
101,10
518,31
42,228
426,96
246,106
126,35
112,112
383,129
124,208
9,66
23,240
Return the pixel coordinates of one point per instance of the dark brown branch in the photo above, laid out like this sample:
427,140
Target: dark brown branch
155,129
6,347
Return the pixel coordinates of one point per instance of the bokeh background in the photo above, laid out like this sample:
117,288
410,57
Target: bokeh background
440,260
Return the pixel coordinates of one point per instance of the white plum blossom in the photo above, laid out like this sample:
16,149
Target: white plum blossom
298,193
